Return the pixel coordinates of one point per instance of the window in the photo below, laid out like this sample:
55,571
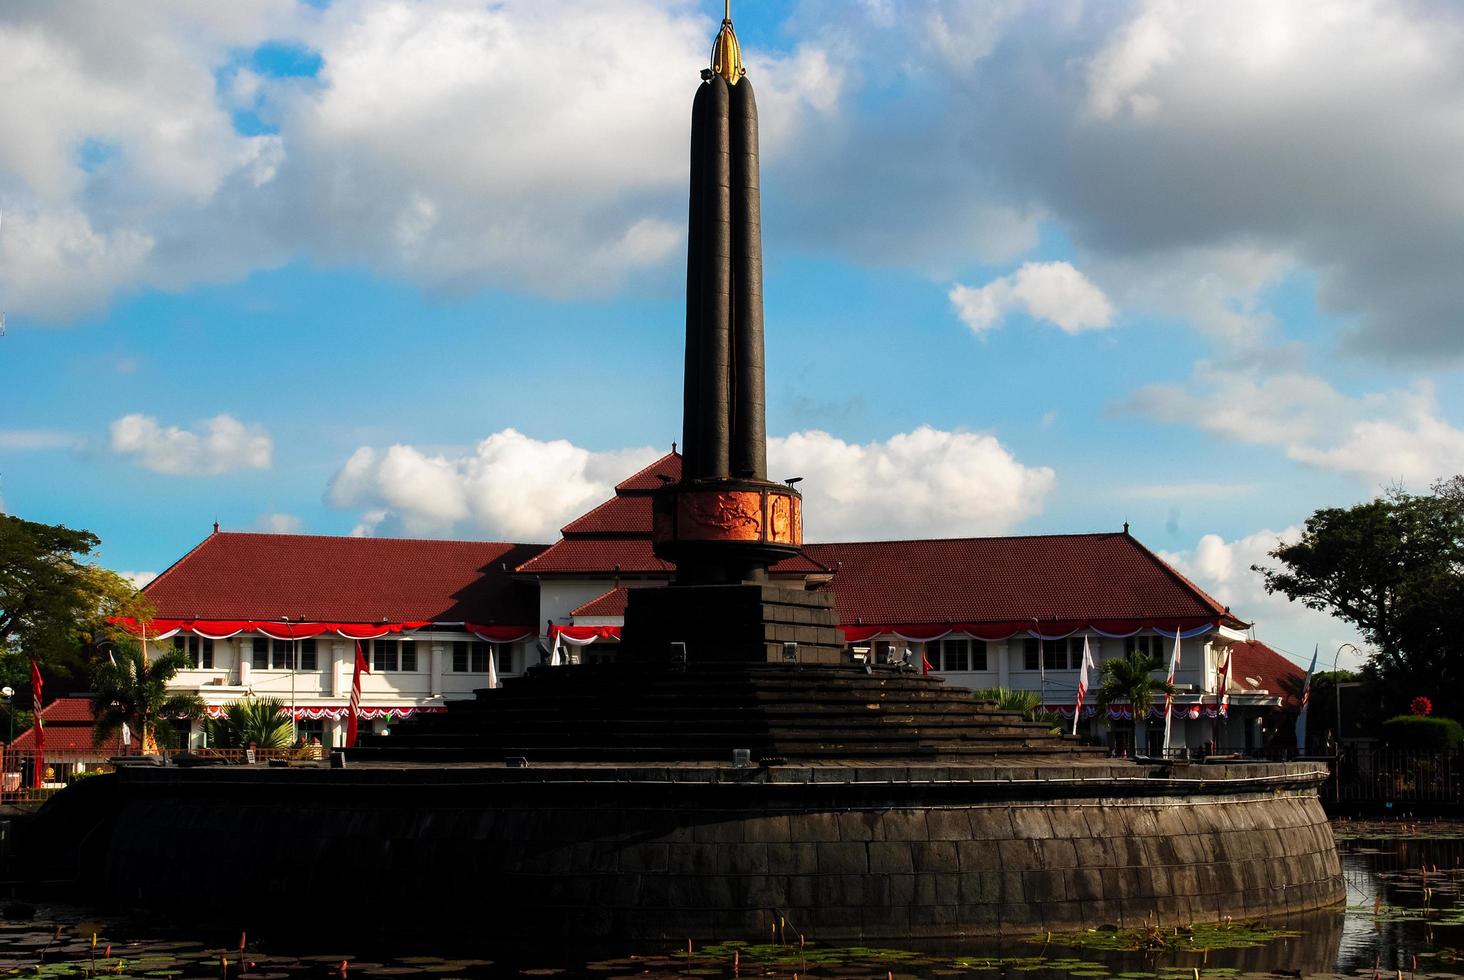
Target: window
199,650
470,656
259,659
504,653
281,654
956,654
1157,646
308,660
1064,654
1054,654
394,655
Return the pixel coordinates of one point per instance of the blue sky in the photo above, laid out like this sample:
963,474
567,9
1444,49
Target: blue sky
1031,267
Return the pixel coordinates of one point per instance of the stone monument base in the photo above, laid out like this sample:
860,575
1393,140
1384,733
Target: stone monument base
714,852
738,623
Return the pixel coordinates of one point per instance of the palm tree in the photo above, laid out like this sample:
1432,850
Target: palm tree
1027,702
1130,679
261,721
1007,699
129,688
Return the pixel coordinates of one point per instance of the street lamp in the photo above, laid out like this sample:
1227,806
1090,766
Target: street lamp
1337,697
8,693
1337,689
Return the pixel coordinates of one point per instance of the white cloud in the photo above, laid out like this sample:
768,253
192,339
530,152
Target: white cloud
455,144
138,579
925,483
1223,568
19,440
115,145
511,487
278,523
1051,291
223,444
1381,438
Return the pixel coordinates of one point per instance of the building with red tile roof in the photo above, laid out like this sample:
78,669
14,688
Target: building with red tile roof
996,611
70,746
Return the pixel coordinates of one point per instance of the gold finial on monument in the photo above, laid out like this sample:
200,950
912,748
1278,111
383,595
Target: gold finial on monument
726,52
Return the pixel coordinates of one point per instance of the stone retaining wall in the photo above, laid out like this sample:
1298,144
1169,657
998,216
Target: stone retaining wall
717,854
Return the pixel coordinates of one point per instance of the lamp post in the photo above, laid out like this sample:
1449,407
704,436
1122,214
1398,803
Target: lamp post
1337,697
8,693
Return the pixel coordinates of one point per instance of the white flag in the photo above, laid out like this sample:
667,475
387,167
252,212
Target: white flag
492,667
556,658
1082,684
126,735
1169,698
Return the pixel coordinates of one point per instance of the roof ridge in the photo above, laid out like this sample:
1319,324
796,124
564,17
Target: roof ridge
1183,579
645,469
186,555
369,537
977,537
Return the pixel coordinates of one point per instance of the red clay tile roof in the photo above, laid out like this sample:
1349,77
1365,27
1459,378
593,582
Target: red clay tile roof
233,575
598,556
610,603
616,535
995,580
68,724
1276,674
618,515
632,556
650,478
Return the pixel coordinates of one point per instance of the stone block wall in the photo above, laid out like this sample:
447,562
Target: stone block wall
609,858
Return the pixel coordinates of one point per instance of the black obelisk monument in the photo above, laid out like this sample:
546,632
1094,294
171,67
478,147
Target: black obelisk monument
725,523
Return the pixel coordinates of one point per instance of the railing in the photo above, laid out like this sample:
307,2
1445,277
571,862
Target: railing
1374,775
18,783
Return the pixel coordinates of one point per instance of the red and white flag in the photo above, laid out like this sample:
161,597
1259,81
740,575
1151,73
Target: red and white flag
492,667
1082,684
39,775
355,709
1222,684
1169,698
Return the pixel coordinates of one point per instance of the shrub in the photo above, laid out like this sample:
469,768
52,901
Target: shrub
1423,732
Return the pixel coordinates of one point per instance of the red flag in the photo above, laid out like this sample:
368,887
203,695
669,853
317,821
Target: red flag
39,775
361,665
925,667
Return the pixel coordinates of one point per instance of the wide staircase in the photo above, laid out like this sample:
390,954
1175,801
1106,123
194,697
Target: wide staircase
702,713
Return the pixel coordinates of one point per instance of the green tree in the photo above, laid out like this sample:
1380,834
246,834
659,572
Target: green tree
1394,568
55,607
259,720
1130,680
128,687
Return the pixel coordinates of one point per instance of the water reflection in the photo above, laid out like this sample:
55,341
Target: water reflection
1405,911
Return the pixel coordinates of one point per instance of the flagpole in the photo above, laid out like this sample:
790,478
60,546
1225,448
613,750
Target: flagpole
294,653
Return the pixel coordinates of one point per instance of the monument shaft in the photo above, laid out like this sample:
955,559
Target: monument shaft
724,522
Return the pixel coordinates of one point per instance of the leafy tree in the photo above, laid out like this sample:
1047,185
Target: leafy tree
54,605
1394,568
1130,679
130,688
259,720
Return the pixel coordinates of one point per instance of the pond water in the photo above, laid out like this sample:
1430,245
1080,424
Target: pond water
1404,918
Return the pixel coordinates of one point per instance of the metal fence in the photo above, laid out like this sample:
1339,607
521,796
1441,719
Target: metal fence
19,785
1378,776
